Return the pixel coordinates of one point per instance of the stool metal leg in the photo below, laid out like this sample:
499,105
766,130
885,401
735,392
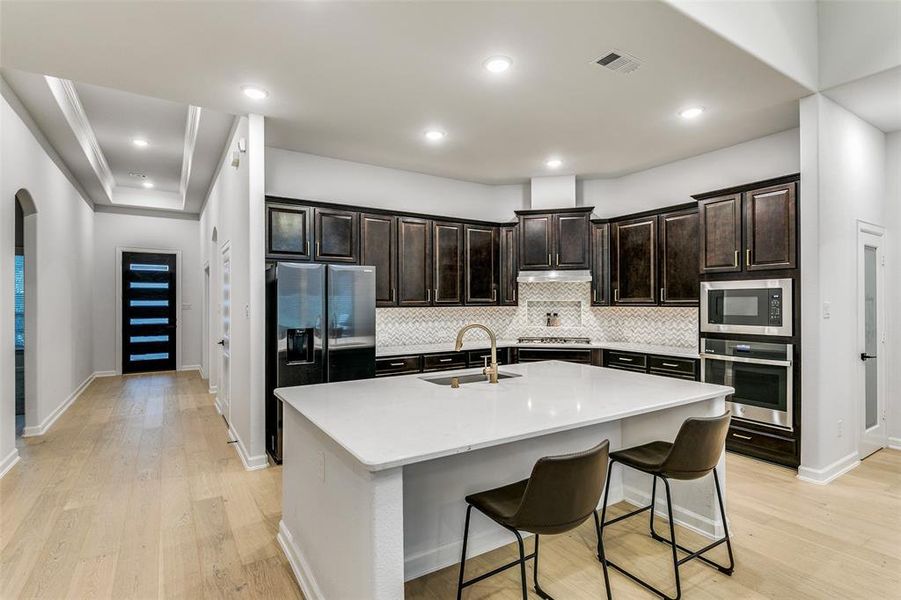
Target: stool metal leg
672,532
522,564
719,494
602,556
463,558
541,593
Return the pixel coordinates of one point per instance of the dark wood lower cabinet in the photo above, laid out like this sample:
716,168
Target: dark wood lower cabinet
378,248
633,258
678,257
447,263
414,262
480,264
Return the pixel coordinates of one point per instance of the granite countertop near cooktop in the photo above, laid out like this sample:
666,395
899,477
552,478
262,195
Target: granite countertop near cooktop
674,351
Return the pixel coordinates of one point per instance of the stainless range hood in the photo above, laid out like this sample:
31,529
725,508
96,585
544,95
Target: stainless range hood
553,276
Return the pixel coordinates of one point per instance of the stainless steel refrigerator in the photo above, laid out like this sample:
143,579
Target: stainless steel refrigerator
320,327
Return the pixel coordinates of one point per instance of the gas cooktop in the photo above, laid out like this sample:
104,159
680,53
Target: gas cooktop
554,340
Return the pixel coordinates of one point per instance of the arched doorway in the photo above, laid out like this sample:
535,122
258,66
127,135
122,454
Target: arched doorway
25,312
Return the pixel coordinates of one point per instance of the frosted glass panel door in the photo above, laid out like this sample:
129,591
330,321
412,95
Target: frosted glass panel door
871,308
225,342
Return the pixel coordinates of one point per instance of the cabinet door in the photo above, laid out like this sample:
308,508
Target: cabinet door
509,265
414,262
678,257
720,234
480,260
447,263
600,264
336,235
536,242
634,261
378,248
288,232
771,228
572,235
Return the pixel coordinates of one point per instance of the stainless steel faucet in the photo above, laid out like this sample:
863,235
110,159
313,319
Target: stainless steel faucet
489,371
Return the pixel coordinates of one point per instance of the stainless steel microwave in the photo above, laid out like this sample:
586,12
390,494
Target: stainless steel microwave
750,306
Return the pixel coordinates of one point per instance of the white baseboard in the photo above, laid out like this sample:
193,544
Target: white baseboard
104,374
251,463
830,472
894,443
302,572
9,462
700,524
189,368
48,422
213,389
203,373
218,405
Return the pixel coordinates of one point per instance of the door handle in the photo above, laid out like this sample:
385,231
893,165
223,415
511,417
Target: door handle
221,342
865,356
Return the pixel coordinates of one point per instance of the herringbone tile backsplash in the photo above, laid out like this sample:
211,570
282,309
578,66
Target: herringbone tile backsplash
668,326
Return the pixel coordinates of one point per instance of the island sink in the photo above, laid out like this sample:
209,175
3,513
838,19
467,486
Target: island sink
461,379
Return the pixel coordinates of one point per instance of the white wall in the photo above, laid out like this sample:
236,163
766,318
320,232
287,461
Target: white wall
781,33
64,277
893,283
842,180
310,177
119,230
674,183
857,39
235,210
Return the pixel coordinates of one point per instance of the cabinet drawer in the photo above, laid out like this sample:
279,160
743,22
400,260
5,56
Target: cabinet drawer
674,366
762,445
441,362
477,357
626,360
397,365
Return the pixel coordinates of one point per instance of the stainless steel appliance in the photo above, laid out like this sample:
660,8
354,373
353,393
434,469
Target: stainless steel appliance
320,327
751,306
760,372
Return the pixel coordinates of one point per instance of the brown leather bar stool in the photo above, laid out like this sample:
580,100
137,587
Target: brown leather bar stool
695,453
562,492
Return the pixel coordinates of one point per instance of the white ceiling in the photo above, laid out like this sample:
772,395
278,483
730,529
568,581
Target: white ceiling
875,99
361,81
116,118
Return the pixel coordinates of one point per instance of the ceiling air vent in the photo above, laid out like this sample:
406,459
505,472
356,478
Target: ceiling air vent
618,61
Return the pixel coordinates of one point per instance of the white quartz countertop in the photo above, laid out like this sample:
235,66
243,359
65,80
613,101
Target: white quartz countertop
395,421
676,351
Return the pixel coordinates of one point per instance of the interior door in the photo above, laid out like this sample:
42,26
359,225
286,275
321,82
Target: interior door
871,321
225,342
148,312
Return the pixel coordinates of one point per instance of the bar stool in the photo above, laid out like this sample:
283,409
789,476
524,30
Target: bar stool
695,453
561,493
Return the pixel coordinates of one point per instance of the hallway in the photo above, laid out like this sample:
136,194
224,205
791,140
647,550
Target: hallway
135,493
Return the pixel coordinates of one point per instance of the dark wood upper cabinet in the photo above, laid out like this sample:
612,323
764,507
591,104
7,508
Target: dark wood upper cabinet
633,258
600,264
572,235
288,230
378,248
480,264
771,228
414,261
536,239
678,256
720,234
336,235
508,288
447,263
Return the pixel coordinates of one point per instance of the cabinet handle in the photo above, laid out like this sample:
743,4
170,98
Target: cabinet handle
747,257
662,294
394,294
428,297
400,364
616,294
735,259
741,437
674,365
308,247
549,263
557,261
444,360
493,295
624,359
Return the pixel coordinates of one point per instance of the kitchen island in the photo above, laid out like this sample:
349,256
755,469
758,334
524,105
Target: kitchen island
375,471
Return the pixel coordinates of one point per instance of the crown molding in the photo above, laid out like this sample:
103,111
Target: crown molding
66,97
192,127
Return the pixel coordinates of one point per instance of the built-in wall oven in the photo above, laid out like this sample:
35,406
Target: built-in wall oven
750,306
760,372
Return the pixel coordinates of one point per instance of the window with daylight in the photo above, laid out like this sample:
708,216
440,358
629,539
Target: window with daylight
20,302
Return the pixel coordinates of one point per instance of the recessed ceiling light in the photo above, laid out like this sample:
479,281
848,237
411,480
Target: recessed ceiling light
140,142
435,135
497,64
148,184
691,113
255,93
553,163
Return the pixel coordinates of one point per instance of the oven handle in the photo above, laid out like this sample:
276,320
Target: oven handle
754,361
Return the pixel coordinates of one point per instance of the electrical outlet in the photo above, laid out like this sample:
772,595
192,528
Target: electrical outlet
321,465
840,430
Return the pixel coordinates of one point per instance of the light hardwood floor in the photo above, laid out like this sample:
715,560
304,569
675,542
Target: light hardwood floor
135,493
